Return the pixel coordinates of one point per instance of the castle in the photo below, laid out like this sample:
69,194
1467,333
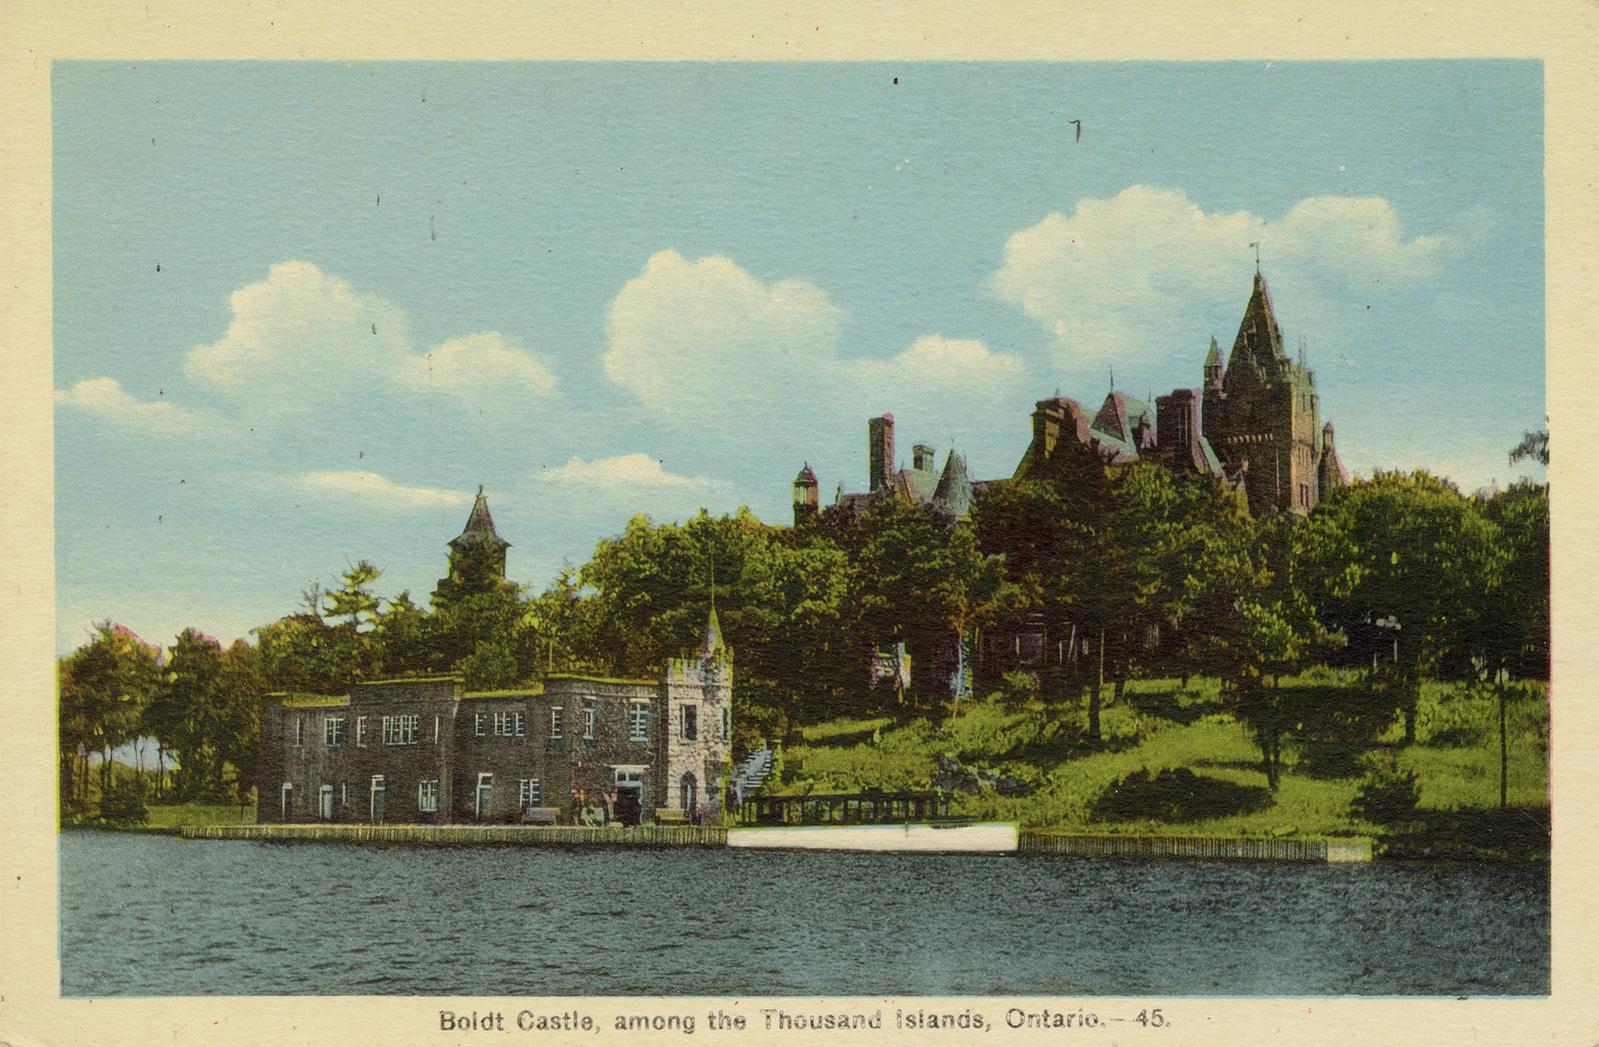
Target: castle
427,751
1253,425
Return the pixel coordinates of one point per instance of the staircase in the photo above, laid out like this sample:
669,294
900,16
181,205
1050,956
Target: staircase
751,775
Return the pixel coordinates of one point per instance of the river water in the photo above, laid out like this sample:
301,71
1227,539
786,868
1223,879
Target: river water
153,915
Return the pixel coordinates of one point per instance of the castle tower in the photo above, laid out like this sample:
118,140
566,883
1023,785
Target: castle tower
880,451
806,496
1329,470
697,759
1261,418
477,556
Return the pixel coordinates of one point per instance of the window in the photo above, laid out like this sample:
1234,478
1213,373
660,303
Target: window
502,723
299,730
528,793
589,717
638,722
360,731
516,722
344,793
400,730
427,796
555,722
477,724
727,723
333,731
435,730
691,723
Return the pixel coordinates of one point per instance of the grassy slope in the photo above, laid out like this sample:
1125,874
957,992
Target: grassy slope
1158,726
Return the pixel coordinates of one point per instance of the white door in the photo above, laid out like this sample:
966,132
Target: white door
288,800
485,792
326,804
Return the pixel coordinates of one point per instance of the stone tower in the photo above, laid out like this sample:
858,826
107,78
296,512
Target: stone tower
1261,414
477,557
806,503
698,725
880,451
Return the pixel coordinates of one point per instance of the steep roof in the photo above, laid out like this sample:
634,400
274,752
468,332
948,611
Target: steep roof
479,529
712,644
953,498
1260,340
1118,421
807,475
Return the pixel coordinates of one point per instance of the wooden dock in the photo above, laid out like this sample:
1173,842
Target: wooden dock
467,835
1215,848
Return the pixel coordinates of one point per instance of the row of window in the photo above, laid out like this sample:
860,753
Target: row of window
529,794
402,730
397,730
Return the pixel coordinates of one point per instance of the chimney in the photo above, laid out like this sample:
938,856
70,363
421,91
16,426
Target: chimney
880,451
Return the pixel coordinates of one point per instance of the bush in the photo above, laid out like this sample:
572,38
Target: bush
1018,687
1388,794
1174,794
123,803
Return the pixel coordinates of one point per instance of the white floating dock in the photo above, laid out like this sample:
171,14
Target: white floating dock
960,838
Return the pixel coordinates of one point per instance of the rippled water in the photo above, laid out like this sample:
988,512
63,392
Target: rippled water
153,915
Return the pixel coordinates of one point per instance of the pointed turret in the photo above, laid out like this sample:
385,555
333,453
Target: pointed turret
1260,340
953,497
1213,363
479,529
477,557
712,647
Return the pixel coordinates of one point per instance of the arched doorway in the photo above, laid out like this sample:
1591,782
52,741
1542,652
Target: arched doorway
687,796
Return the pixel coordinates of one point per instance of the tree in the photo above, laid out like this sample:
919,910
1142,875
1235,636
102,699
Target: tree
354,599
1251,622
105,686
918,580
1534,444
1415,552
401,635
190,713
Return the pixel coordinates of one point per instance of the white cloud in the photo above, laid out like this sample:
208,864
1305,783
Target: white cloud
705,341
475,365
626,472
299,339
105,398
1133,275
681,330
947,363
302,339
374,488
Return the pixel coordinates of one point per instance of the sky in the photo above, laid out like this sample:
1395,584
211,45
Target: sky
303,310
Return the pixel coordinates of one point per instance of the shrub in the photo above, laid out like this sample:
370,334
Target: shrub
1018,687
1389,794
1174,794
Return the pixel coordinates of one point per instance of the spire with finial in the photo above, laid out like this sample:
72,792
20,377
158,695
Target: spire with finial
479,529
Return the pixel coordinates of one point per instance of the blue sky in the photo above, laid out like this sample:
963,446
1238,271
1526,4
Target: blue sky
303,310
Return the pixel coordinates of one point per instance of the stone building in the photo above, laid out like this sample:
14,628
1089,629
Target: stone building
1254,424
425,750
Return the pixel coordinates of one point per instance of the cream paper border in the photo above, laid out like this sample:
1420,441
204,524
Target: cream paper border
1562,34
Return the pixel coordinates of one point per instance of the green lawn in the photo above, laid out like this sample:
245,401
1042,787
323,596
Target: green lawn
1158,726
177,815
